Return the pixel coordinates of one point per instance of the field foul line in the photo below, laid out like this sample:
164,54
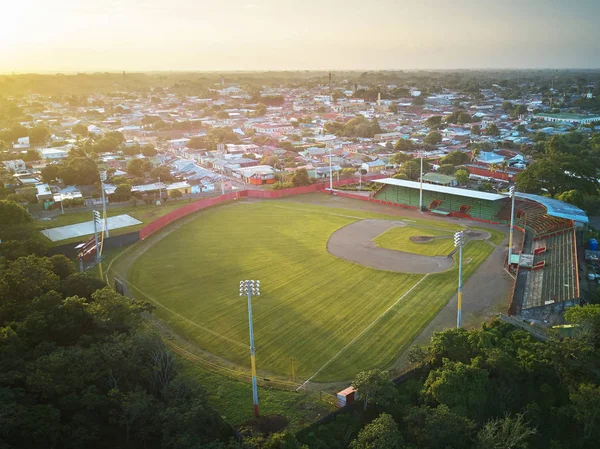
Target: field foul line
362,332
215,334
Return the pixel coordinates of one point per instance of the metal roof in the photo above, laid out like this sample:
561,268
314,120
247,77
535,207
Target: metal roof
557,208
443,189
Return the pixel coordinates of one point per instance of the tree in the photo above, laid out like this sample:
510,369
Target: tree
122,192
586,407
80,284
574,197
197,143
80,129
446,169
455,158
149,150
38,135
461,387
381,433
404,145
139,167
492,130
433,122
438,428
393,108
374,386
400,158
161,172
476,130
31,155
176,194
505,433
12,214
62,266
462,176
463,118
418,101
300,178
50,173
80,171
433,138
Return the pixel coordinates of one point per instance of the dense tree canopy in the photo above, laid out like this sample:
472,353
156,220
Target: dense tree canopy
75,371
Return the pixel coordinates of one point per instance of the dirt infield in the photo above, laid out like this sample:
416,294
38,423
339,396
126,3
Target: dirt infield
354,242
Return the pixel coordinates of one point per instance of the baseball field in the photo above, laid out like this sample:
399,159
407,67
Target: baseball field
334,317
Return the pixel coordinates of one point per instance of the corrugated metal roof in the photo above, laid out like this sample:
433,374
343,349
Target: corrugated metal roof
557,208
443,189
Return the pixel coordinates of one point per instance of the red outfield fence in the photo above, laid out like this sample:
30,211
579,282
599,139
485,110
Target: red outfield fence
163,221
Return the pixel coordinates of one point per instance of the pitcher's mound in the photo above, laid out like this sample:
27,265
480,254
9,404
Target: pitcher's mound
420,238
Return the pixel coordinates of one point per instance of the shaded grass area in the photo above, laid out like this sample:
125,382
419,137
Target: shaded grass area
311,305
496,236
233,399
406,320
398,239
143,213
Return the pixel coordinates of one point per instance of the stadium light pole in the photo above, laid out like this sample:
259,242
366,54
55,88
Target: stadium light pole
103,177
96,222
459,241
251,288
512,223
421,183
330,146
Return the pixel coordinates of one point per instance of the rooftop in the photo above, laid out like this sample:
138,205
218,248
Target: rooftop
567,116
442,189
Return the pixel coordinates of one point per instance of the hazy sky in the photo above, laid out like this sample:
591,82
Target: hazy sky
78,35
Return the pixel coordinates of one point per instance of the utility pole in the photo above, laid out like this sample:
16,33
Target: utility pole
459,242
512,223
251,288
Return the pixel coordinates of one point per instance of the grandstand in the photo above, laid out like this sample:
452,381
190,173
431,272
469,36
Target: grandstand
546,266
442,200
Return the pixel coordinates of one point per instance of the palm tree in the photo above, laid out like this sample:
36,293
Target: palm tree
493,168
504,168
475,154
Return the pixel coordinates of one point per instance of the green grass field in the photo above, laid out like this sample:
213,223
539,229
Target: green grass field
312,304
398,238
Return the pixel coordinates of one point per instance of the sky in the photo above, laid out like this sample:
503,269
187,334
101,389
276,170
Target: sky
165,35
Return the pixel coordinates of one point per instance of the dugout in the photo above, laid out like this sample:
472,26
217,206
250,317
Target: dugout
443,200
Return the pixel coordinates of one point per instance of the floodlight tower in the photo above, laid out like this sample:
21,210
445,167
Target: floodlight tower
96,223
511,192
103,177
221,151
459,242
251,288
420,154
330,147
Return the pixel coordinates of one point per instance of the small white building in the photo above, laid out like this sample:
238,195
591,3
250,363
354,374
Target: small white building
16,166
53,153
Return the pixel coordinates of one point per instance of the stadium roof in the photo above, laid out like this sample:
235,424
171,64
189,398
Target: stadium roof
557,208
443,189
